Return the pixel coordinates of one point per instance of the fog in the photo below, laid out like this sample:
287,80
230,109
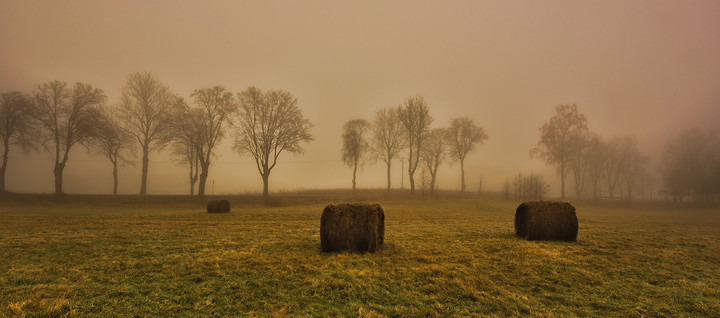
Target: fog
645,68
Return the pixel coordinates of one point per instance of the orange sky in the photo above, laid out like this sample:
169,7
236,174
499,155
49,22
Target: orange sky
647,68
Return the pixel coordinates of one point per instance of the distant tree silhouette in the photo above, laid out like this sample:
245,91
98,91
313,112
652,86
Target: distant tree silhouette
559,139
206,121
185,141
113,142
691,165
415,117
145,109
388,138
433,153
15,126
355,145
269,123
66,117
462,136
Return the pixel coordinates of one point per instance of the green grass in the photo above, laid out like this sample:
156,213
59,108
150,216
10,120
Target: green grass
444,257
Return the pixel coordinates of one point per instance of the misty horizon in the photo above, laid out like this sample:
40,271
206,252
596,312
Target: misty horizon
645,69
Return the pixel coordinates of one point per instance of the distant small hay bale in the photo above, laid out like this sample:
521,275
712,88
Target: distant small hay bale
546,220
218,206
358,227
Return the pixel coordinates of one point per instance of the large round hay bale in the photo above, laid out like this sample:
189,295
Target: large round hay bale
546,220
218,206
356,227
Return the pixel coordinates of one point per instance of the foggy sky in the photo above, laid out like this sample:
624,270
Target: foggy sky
646,68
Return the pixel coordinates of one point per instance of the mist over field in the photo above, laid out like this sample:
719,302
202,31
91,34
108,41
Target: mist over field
647,69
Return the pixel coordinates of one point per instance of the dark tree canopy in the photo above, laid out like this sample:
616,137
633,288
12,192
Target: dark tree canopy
268,124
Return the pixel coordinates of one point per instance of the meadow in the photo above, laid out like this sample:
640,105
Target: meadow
444,257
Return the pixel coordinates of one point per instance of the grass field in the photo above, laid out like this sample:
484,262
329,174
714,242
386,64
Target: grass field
442,257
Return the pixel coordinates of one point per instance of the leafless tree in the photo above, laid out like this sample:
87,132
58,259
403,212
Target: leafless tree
691,165
388,138
213,107
186,139
558,141
186,153
145,109
530,187
612,167
415,117
15,126
596,161
268,124
463,135
355,145
113,142
633,166
66,117
579,160
433,153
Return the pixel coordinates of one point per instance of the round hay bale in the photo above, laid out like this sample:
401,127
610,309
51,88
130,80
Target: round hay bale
546,220
358,227
218,206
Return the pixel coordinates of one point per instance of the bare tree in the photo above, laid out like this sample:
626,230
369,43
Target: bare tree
387,139
145,109
355,145
415,117
186,140
633,166
66,117
114,142
213,106
579,160
186,153
268,124
691,164
596,161
530,187
433,153
15,126
612,153
463,135
558,141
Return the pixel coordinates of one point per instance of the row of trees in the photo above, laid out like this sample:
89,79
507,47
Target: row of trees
689,165
407,127
150,116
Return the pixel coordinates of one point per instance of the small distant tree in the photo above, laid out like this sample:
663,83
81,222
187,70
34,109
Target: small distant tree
463,135
633,167
268,124
146,110
355,145
388,138
186,154
113,142
66,116
415,117
186,140
530,187
612,167
559,139
15,126
433,153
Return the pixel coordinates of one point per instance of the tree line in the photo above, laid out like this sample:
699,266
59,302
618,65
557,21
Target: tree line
616,168
407,127
149,117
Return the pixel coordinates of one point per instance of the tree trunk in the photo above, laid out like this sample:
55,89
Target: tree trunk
410,174
3,168
562,180
354,175
203,178
58,172
388,176
143,179
265,177
115,178
462,175
432,182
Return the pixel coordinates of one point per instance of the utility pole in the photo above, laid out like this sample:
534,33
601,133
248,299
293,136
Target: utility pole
213,189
